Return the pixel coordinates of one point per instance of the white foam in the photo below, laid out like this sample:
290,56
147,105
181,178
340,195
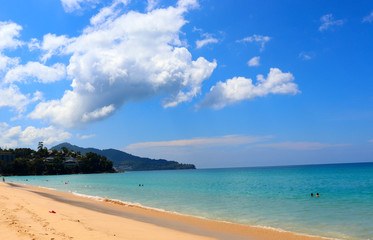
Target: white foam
47,188
101,199
88,196
303,234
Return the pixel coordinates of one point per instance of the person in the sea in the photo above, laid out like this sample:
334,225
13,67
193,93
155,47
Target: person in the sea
3,179
317,195
311,194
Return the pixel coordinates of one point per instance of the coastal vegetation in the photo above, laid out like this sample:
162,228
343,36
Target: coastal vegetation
123,161
26,161
70,159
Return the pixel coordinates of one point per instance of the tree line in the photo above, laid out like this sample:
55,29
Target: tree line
43,162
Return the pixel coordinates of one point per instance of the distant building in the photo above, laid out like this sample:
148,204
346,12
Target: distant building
49,159
70,162
7,157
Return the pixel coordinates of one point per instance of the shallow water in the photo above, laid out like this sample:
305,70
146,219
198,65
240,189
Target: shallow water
277,197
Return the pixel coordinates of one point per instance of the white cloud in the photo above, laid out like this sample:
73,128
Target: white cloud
36,70
12,97
98,113
207,38
102,15
11,71
305,56
188,4
368,18
72,5
327,22
108,13
254,62
229,140
16,137
51,45
86,136
152,4
9,31
129,57
300,145
7,63
239,88
260,39
205,41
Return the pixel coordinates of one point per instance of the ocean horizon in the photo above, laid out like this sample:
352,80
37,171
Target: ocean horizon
277,197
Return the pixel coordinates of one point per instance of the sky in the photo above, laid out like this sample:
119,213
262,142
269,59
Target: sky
214,83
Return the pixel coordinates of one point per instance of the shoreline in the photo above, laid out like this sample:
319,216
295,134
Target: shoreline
138,205
98,212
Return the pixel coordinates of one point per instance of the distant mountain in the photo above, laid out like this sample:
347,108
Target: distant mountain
123,161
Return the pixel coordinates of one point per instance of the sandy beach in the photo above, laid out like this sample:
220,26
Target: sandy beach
37,213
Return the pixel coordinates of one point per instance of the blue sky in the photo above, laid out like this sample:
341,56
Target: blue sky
214,83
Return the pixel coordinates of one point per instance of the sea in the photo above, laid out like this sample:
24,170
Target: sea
271,197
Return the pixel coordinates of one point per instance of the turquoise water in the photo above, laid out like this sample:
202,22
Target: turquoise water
277,197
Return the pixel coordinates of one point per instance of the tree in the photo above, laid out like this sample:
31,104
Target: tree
40,146
65,150
37,167
31,162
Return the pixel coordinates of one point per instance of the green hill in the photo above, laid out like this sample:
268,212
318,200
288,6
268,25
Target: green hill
127,162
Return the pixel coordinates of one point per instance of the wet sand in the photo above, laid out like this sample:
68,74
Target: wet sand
26,213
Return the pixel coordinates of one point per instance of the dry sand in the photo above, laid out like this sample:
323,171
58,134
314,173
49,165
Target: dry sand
25,214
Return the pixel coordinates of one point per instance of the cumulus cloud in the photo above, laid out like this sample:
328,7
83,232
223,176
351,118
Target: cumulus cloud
300,145
51,45
98,113
11,71
368,18
129,57
17,137
260,39
36,70
7,63
9,32
239,88
12,97
328,22
254,62
229,140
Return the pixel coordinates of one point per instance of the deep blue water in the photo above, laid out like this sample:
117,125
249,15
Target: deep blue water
277,197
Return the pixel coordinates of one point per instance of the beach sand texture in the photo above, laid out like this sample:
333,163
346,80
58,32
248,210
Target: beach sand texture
26,213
